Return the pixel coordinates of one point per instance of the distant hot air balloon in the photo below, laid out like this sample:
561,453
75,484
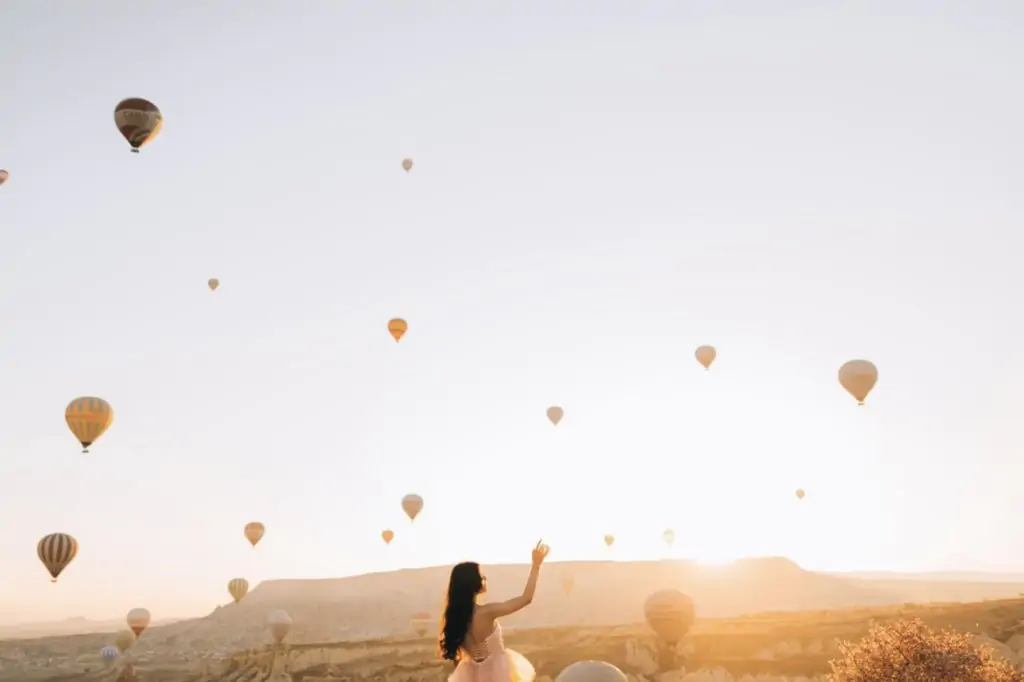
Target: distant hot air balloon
254,532
591,671
88,418
124,640
280,624
56,551
138,620
139,121
800,493
858,377
670,615
387,535
407,164
706,355
213,284
421,622
397,327
238,588
669,536
609,540
109,654
4,176
555,414
568,583
412,505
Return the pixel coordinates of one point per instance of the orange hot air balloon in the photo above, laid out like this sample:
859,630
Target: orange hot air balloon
88,418
254,532
397,327
705,355
407,164
858,377
609,540
412,505
139,121
387,536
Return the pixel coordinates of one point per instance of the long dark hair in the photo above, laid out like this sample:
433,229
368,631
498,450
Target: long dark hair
464,585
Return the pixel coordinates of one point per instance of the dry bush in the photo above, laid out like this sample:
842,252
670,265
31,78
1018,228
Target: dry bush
909,651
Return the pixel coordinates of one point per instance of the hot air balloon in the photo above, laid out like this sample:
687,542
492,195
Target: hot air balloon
238,588
88,418
213,284
706,355
139,121
858,377
387,536
56,551
591,671
109,654
800,493
253,532
124,640
568,583
421,622
670,615
280,624
4,176
397,327
407,164
138,620
669,536
412,505
555,414
609,540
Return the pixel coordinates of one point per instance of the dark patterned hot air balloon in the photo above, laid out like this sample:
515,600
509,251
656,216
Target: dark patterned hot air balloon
56,551
139,121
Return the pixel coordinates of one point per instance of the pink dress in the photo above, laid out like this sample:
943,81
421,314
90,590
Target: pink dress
490,661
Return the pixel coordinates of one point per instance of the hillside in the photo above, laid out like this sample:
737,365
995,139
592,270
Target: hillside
378,606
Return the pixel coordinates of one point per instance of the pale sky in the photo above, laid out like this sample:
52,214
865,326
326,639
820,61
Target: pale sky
599,188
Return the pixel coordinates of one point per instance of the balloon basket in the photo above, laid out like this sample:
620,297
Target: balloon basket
134,150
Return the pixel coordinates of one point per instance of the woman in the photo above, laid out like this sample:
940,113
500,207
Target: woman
471,634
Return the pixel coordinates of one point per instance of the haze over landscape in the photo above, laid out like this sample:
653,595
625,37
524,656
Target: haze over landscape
595,190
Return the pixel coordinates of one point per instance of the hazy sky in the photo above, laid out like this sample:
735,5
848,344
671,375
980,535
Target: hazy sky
599,188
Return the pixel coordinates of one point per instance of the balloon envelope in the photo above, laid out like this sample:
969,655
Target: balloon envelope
138,620
706,355
88,418
56,551
800,493
213,284
609,540
4,176
858,377
555,414
397,328
670,614
280,624
238,588
412,505
124,640
669,536
254,532
139,121
407,164
591,671
387,536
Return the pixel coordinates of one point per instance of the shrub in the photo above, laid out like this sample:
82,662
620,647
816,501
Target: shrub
909,651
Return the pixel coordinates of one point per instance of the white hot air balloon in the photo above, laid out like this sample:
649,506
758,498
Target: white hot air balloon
138,620
858,377
280,624
591,671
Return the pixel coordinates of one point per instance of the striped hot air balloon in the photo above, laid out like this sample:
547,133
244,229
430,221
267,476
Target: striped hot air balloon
109,653
238,588
56,551
139,121
88,418
397,328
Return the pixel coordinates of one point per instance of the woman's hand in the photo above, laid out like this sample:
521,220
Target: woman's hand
540,552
